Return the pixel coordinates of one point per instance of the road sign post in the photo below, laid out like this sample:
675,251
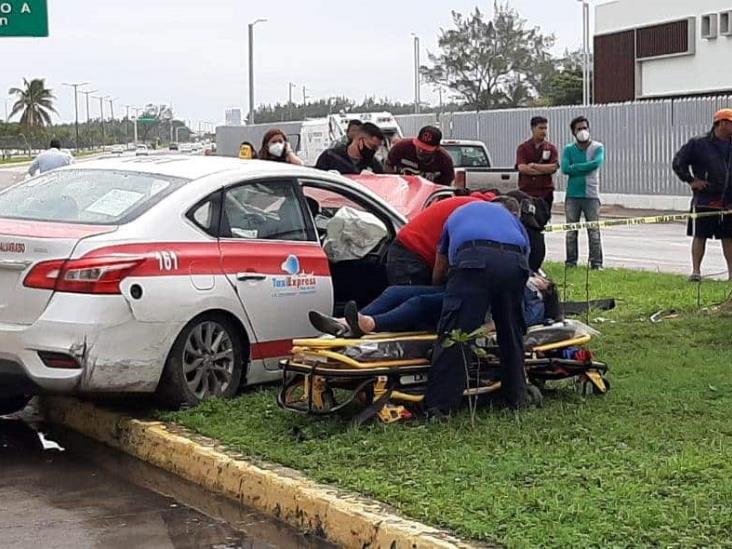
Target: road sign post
23,18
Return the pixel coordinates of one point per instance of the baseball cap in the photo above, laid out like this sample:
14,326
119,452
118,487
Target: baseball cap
429,139
723,114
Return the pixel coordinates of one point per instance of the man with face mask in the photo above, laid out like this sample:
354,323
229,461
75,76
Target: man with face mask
422,156
358,155
581,161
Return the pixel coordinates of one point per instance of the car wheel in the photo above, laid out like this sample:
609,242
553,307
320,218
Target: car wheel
206,361
10,405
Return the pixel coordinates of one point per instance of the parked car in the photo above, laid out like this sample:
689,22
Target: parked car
142,150
187,278
186,147
118,149
173,147
474,167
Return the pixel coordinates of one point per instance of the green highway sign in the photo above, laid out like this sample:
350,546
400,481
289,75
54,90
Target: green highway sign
23,18
147,120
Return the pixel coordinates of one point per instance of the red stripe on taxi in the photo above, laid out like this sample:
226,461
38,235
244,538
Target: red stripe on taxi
196,258
271,349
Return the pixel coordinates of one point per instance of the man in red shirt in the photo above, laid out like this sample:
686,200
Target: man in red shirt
422,156
411,256
537,160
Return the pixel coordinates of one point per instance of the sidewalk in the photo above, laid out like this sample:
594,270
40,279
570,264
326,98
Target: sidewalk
614,211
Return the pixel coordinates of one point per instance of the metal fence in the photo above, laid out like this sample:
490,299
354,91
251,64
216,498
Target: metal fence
640,138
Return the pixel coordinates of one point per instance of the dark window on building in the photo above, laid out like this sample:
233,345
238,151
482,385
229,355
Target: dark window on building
615,67
664,39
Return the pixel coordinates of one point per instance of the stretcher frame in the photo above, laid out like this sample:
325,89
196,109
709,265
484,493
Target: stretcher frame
391,389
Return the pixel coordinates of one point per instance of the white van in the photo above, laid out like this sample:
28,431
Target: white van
319,134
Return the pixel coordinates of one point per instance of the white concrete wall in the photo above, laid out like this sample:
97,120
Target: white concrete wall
704,71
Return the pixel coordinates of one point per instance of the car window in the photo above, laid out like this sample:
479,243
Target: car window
205,215
269,210
99,197
468,156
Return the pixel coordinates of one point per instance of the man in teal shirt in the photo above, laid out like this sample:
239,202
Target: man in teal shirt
581,161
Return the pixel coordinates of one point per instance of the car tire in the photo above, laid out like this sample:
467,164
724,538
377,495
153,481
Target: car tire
206,361
10,405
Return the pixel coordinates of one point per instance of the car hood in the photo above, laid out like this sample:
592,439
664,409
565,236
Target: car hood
406,194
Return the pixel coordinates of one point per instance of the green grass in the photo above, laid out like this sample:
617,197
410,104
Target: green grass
650,464
15,160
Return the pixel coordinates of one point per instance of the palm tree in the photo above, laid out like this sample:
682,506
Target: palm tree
35,102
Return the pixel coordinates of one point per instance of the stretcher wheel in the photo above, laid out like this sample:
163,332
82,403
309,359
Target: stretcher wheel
586,387
534,396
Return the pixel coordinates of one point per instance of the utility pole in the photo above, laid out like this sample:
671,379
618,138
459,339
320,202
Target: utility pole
290,86
127,125
111,106
304,101
417,99
251,68
76,86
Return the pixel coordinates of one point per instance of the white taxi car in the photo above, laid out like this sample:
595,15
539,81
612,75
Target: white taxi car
188,276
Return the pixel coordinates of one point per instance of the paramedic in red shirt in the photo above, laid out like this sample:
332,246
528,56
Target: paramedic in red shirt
537,160
422,156
411,256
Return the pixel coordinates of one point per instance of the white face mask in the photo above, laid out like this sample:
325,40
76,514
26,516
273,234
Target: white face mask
276,149
583,136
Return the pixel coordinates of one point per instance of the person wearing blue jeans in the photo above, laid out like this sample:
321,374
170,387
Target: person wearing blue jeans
581,162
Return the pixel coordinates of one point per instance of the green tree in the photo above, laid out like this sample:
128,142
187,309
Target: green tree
490,63
564,85
34,102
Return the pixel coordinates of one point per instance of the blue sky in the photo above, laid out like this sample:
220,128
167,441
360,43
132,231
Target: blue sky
194,53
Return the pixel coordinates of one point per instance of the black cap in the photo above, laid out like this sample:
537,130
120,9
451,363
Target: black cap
429,139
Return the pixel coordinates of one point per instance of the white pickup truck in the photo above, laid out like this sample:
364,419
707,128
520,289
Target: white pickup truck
474,167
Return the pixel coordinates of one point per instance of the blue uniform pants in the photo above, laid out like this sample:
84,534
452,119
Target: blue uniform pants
481,279
406,308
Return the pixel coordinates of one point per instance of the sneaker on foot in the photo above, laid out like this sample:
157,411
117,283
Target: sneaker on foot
694,277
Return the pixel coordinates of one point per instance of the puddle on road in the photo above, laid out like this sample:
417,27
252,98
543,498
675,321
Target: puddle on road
76,490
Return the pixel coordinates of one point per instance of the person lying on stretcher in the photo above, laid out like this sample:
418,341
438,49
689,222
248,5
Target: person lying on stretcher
418,308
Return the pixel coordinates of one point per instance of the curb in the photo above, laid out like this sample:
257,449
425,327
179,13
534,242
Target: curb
339,516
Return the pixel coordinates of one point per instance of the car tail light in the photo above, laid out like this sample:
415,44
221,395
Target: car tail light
460,179
98,275
58,360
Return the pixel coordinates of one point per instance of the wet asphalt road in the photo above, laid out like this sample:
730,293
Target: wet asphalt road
59,490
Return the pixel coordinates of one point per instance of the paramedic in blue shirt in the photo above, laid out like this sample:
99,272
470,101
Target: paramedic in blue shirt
581,161
486,249
50,159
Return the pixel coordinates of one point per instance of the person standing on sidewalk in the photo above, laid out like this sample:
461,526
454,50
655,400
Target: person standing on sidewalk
581,161
705,163
537,160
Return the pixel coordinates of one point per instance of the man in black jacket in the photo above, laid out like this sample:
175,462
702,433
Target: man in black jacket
705,163
356,156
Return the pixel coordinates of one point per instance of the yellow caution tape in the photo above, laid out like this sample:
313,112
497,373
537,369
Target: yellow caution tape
566,227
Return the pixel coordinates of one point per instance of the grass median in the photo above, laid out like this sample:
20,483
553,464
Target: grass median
649,464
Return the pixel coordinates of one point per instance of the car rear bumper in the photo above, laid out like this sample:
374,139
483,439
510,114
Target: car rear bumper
114,351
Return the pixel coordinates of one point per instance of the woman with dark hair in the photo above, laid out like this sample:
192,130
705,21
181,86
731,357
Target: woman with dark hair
276,147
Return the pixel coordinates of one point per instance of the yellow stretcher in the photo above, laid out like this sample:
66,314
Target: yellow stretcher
385,375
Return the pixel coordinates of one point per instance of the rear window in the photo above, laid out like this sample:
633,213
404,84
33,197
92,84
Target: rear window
468,156
97,197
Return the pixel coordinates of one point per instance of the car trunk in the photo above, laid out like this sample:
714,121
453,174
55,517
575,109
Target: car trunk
23,245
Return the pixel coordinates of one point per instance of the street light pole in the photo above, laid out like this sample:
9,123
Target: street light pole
76,86
101,117
251,68
289,95
88,119
416,74
585,52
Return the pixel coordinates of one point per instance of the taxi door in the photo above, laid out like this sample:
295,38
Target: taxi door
271,256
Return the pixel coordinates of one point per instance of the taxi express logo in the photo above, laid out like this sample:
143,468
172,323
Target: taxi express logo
295,280
12,247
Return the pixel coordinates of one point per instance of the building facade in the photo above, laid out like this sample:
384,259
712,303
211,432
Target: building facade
233,117
661,48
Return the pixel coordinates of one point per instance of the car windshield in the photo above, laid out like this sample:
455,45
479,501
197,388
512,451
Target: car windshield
98,197
468,156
